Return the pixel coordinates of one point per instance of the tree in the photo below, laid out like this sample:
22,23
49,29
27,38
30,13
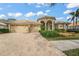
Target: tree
74,18
77,15
10,19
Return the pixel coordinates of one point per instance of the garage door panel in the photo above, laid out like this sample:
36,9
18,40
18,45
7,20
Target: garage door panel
20,29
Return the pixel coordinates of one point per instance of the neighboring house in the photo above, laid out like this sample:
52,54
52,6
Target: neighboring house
71,25
61,25
47,22
2,25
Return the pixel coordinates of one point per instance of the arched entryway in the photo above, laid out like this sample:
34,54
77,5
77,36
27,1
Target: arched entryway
49,25
42,25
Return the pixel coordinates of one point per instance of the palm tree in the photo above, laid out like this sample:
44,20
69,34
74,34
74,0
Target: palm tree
77,15
74,18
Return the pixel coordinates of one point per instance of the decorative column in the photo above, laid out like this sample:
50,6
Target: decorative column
49,27
53,25
9,27
45,26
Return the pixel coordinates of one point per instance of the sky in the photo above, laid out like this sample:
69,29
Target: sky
32,11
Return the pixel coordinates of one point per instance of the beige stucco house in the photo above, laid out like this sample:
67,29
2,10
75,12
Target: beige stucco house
32,26
24,26
47,22
61,25
44,23
74,25
2,25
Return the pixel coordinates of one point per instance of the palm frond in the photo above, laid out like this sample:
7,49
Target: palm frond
72,13
72,18
68,19
77,12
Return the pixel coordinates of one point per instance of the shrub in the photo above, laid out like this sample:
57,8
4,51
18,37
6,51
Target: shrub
49,34
4,31
73,30
72,52
42,27
60,30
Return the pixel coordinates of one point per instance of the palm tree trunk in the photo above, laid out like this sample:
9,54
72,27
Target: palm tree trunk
76,23
73,24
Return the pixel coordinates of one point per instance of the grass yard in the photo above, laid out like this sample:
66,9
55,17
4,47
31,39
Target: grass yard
54,35
72,52
74,36
64,38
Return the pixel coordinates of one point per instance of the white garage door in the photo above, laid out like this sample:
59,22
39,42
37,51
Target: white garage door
21,29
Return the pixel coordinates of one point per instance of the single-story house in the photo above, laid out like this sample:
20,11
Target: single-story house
2,25
24,26
47,22
71,25
44,23
61,25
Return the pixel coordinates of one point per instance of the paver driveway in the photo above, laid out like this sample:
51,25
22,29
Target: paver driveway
26,44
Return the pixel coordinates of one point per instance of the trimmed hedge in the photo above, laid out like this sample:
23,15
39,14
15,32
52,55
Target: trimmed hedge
60,30
4,31
73,30
49,34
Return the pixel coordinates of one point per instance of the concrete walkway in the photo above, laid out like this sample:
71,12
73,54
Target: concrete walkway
65,44
23,44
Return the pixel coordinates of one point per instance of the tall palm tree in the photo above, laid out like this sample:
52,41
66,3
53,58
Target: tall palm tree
77,15
74,18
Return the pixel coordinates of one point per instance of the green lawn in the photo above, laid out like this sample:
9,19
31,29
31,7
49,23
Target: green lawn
72,52
64,38
54,35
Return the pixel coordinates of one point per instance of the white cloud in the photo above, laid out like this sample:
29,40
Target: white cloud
69,17
18,14
30,14
67,11
15,14
2,16
42,4
72,5
40,13
38,6
47,11
59,18
10,14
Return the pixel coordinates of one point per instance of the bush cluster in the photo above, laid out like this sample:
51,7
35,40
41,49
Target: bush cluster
60,30
50,34
73,30
4,31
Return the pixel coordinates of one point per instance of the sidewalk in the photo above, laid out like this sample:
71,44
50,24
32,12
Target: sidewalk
65,44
